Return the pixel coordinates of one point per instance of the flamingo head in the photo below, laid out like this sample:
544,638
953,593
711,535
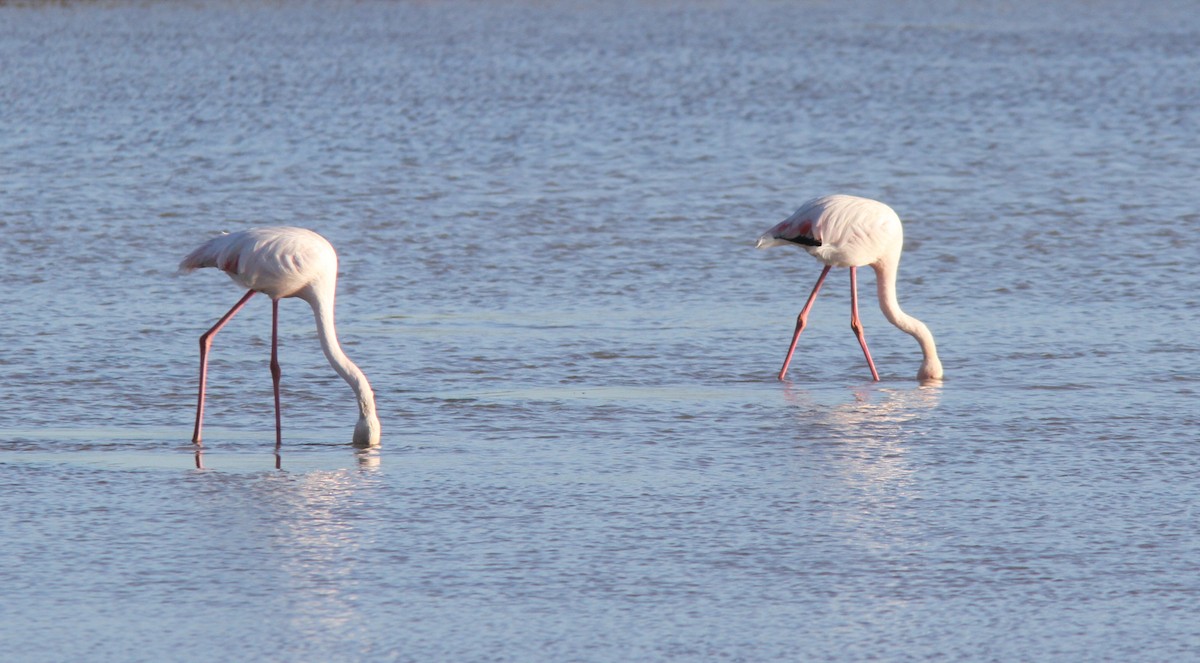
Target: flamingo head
931,369
367,431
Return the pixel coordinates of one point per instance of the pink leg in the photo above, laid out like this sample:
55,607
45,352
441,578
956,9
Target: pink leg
275,372
856,324
802,320
205,345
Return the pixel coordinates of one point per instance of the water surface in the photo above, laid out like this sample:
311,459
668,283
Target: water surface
545,214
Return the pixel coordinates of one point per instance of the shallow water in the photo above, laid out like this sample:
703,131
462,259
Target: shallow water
545,214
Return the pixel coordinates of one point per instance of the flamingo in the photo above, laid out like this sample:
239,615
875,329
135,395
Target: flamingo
848,231
284,262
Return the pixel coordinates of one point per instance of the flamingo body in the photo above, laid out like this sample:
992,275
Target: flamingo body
841,231
278,262
848,231
283,262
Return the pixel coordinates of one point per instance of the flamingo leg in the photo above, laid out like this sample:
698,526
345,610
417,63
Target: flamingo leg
856,324
275,370
205,346
802,320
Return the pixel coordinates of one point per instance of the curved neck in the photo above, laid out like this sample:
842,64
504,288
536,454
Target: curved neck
885,279
321,300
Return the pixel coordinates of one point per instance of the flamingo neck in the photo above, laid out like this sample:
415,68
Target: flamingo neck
366,431
885,279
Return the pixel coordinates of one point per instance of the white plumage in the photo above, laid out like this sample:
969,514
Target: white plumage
848,231
284,262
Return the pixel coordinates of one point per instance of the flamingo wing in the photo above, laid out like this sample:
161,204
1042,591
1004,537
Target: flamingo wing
800,228
276,261
843,231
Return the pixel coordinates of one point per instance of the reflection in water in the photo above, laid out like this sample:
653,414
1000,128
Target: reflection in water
366,459
306,520
315,519
309,522
889,406
875,410
874,431
871,436
199,453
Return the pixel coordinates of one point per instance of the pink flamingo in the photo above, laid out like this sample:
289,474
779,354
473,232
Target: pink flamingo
847,231
284,262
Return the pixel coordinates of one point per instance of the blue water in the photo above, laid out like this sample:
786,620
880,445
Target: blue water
545,214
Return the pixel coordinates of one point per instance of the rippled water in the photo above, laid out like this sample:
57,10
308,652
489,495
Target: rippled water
546,214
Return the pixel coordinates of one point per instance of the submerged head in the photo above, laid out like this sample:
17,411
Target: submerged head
931,368
367,431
